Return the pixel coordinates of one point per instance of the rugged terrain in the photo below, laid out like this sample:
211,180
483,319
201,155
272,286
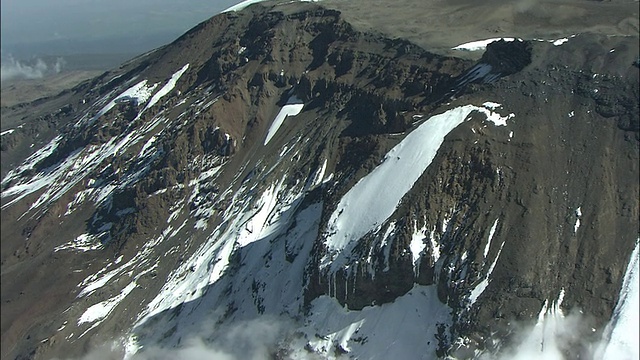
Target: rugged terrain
284,182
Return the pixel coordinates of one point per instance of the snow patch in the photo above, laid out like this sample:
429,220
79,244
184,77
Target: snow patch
287,110
167,87
494,117
578,214
403,329
246,3
480,44
139,93
365,206
101,310
84,242
491,233
417,246
479,289
622,332
560,41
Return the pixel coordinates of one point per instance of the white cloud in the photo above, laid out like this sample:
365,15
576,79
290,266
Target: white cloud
15,69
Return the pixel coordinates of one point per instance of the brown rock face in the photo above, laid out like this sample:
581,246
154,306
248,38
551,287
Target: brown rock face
187,195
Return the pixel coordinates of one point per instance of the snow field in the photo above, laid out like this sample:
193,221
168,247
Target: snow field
622,333
167,87
287,110
403,329
479,45
365,207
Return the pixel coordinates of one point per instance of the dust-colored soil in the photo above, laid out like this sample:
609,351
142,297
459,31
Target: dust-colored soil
27,90
439,25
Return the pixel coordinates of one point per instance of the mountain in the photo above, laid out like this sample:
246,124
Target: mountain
283,181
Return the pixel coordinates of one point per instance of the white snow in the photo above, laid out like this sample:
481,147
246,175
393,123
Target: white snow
479,289
546,339
491,105
403,329
61,177
375,197
102,309
243,4
140,92
93,283
480,44
167,87
318,176
494,117
435,247
560,41
572,114
257,226
491,233
417,246
7,132
577,223
84,242
247,221
622,333
287,110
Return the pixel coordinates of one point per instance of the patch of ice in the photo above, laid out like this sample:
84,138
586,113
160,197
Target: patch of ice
417,246
84,242
246,3
479,289
318,176
577,223
365,206
102,309
622,332
92,284
257,226
494,117
491,232
491,105
479,44
435,247
287,110
241,5
139,93
246,222
167,87
560,41
403,329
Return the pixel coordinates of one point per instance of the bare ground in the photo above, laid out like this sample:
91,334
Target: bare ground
439,25
27,90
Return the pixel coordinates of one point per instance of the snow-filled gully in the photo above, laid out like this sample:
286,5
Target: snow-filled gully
411,157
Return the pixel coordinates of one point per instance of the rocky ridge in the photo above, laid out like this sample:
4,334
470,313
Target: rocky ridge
178,210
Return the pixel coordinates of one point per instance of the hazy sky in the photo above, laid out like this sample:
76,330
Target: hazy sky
33,22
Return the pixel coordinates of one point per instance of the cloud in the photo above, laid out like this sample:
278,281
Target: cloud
35,69
556,335
263,338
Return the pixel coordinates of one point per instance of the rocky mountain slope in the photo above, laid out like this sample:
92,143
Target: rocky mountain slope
280,183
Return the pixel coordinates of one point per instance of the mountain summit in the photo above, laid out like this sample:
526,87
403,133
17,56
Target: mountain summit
284,182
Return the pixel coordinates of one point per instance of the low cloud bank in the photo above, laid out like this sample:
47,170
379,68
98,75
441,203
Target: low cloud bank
35,69
263,338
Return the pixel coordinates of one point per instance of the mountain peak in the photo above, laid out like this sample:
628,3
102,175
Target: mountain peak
281,182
